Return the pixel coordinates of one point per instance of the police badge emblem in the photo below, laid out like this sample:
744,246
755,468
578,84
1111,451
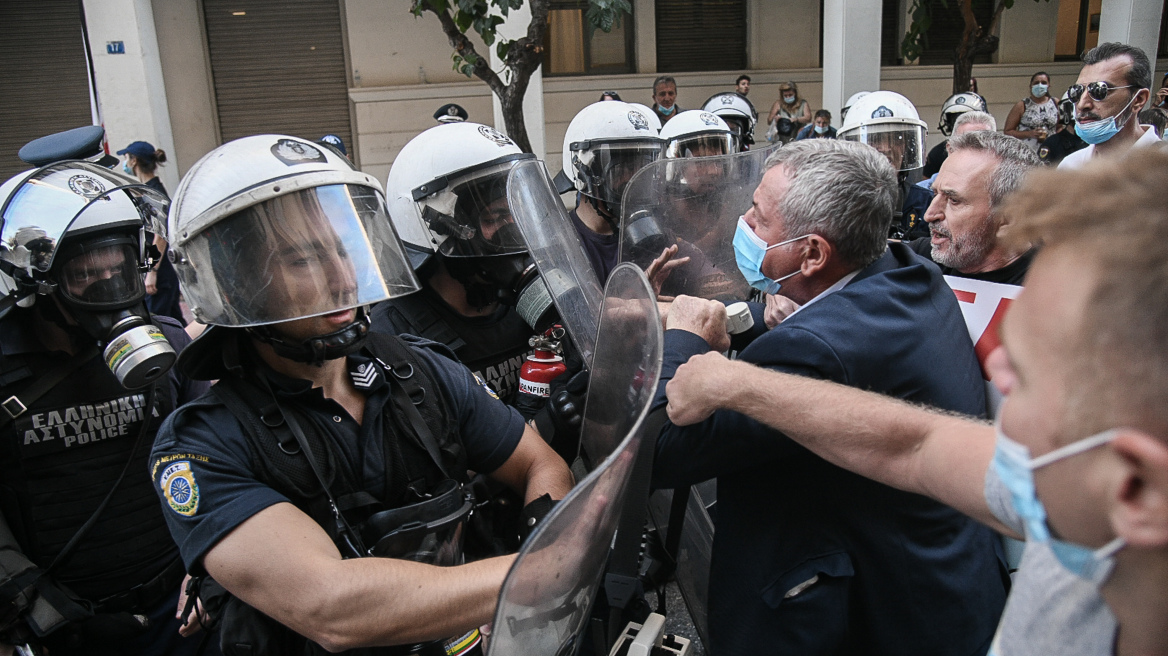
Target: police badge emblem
294,152
84,185
638,120
882,112
495,135
960,100
180,489
708,118
727,100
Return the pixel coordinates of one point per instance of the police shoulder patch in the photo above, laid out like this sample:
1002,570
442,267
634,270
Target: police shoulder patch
485,386
180,488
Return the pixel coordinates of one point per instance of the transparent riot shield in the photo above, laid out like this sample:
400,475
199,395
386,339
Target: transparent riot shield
693,203
548,594
555,247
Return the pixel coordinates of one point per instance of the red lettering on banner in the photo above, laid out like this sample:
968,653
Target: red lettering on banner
964,296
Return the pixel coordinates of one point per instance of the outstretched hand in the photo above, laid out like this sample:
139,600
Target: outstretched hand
704,318
660,268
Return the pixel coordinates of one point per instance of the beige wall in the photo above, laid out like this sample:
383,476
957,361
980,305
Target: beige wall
1028,32
189,91
783,34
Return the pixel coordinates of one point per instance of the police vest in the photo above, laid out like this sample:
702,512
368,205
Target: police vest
493,348
60,458
411,471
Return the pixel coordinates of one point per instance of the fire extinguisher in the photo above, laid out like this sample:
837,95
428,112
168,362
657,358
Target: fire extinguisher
543,366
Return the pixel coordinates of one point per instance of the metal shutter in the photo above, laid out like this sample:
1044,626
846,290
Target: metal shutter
701,35
44,75
278,67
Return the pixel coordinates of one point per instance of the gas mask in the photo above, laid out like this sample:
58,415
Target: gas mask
508,279
99,284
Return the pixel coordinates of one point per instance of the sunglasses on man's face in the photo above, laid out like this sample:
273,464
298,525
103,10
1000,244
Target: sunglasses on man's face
1097,90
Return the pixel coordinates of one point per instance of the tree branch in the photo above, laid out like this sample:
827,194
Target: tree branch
465,48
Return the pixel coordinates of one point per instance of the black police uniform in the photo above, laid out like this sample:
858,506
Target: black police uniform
211,478
493,347
911,222
61,457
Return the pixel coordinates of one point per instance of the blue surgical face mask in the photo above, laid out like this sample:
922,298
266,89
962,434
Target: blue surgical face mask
1038,90
666,110
127,169
750,250
1096,132
789,99
821,129
1015,467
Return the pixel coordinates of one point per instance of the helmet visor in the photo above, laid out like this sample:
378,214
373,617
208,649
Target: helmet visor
303,254
902,143
702,145
613,165
102,275
74,197
471,217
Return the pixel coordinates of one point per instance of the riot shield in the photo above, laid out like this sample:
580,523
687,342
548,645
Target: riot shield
547,596
555,247
693,203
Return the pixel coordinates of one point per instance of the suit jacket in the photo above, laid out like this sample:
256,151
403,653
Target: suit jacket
812,559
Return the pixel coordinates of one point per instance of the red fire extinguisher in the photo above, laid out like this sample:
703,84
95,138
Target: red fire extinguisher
544,365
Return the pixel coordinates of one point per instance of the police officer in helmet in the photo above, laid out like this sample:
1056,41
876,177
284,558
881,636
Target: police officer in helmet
86,563
321,484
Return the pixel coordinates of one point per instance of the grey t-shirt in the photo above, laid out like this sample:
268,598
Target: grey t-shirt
1049,610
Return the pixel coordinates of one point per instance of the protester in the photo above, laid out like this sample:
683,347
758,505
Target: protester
820,127
807,558
1078,459
742,85
609,95
1035,117
665,98
1112,88
788,114
162,292
966,223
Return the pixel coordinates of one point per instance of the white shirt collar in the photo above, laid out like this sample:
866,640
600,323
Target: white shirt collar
839,284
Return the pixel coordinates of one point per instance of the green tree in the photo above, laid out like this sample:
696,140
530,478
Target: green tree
521,57
976,39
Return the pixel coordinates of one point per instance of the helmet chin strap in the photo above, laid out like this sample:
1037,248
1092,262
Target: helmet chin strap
316,350
604,213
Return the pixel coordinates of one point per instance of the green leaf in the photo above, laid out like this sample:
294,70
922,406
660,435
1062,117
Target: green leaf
467,70
502,48
462,21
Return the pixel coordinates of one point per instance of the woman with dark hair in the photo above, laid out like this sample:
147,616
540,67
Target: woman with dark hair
1035,117
162,293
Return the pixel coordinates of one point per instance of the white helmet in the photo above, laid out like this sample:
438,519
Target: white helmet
851,101
605,144
738,113
271,228
956,105
888,122
45,211
448,192
697,133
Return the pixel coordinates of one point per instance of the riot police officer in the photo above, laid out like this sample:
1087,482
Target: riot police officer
739,114
86,563
955,106
323,444
890,123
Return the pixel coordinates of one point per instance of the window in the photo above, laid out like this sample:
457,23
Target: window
574,47
1078,28
944,34
701,35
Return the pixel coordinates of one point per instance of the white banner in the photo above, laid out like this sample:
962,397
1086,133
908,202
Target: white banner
984,305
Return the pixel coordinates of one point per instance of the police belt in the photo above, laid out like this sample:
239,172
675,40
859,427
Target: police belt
146,596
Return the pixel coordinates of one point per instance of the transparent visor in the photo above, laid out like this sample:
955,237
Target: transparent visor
72,197
303,254
902,143
613,165
102,276
471,217
739,127
702,145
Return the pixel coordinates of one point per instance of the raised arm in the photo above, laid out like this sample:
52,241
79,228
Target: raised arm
905,446
534,469
283,564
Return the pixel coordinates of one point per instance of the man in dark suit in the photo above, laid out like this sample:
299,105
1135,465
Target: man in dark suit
809,558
